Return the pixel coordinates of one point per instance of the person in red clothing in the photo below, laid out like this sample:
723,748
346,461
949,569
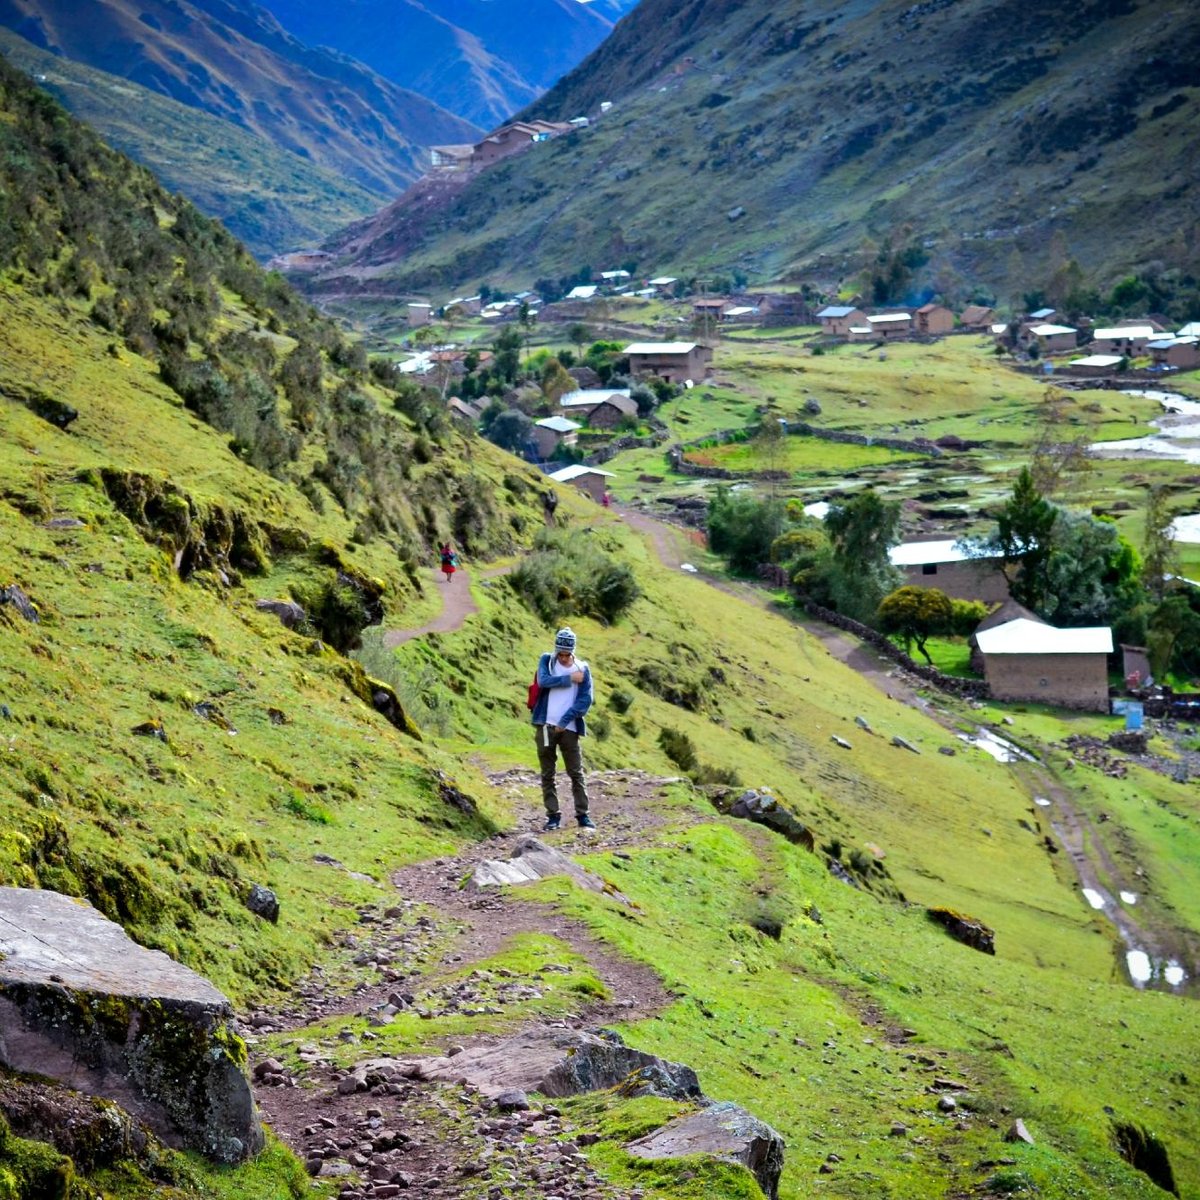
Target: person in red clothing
449,560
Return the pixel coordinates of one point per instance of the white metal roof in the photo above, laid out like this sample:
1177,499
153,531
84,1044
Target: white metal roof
1191,329
1051,330
741,310
559,424
567,474
1114,332
662,281
918,554
660,347
1096,360
885,318
614,274
584,292
1029,637
590,396
1167,342
836,310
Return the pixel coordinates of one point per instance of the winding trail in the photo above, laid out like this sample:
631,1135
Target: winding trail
457,605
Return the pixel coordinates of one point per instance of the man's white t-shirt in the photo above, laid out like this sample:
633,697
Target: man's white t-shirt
560,699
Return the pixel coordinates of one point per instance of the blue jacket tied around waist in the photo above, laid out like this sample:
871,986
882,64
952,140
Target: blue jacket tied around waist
547,679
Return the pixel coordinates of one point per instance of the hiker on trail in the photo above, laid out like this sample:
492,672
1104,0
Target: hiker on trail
449,560
564,694
549,503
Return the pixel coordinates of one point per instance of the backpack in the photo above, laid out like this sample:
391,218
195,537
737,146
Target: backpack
534,689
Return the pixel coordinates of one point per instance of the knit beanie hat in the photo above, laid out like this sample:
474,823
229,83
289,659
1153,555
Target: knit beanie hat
564,639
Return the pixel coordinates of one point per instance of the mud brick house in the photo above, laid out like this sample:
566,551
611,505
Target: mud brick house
1124,339
1028,660
579,405
1093,366
941,565
512,138
1049,339
552,432
419,314
1179,353
714,307
590,480
891,327
609,413
836,319
977,316
676,362
933,320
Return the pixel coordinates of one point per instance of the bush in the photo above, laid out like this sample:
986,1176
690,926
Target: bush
570,574
621,701
678,748
742,528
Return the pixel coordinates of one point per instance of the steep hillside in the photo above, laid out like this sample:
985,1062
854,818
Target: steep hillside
181,438
998,146
234,61
475,59
268,197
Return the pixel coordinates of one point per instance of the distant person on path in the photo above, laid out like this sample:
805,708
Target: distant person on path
564,696
550,503
449,560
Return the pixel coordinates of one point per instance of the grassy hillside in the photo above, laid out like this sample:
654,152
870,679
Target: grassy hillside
168,745
789,140
268,197
236,63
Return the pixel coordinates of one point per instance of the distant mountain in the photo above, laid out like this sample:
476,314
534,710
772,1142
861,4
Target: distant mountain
233,60
270,198
994,145
481,59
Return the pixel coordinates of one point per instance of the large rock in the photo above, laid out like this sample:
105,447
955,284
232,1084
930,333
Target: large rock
560,1062
83,1004
761,807
724,1131
531,861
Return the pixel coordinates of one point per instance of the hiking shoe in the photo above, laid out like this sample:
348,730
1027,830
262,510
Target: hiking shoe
586,822
553,821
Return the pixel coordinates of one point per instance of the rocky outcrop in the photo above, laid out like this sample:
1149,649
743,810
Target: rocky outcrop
84,1005
723,1131
761,806
969,930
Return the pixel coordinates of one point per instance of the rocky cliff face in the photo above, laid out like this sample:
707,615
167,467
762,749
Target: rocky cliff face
84,1005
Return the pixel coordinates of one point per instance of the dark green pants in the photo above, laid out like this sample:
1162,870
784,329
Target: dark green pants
549,743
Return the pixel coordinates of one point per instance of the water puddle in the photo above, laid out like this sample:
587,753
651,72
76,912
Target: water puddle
1001,750
1129,897
1178,436
1144,970
1041,801
1094,898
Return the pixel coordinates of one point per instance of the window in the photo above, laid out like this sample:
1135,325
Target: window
929,568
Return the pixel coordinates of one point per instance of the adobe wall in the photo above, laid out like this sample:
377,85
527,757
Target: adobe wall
1066,680
962,581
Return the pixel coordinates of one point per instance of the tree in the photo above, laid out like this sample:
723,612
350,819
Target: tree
556,383
861,532
510,430
1022,538
742,528
1060,455
506,365
1092,574
915,614
769,445
578,335
1160,557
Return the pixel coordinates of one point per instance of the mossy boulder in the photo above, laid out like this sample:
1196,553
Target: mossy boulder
82,1004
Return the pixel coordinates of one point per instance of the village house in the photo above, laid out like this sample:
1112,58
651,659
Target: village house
1177,353
590,480
676,362
552,432
715,307
836,319
1041,316
891,327
933,320
1028,660
614,279
419,314
464,409
451,158
585,291
1124,339
662,283
978,316
861,333
1049,339
468,306
512,138
942,565
581,403
610,412
1191,329
1095,366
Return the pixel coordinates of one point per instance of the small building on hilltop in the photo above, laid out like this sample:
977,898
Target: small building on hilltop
1029,660
836,319
612,411
590,480
512,138
933,320
676,362
942,565
579,405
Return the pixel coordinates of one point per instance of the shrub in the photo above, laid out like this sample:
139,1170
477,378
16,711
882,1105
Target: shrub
678,748
621,701
570,574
